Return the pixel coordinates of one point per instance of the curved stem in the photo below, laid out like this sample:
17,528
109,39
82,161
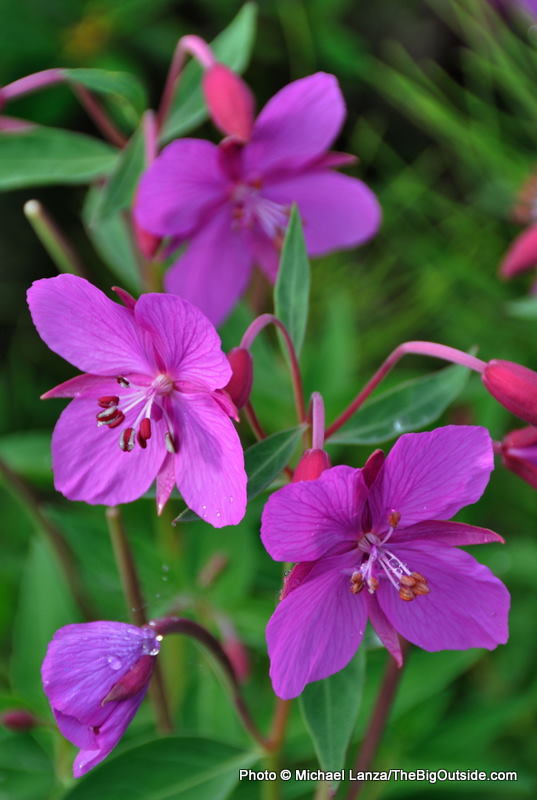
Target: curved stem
188,627
259,432
53,240
135,601
197,48
99,116
431,349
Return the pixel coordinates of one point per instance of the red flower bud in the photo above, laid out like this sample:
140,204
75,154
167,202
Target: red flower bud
133,681
519,454
372,466
240,385
230,101
18,719
311,465
514,386
148,243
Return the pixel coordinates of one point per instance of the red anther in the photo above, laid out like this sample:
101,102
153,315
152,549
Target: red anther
240,384
141,441
145,428
514,386
18,719
107,415
109,400
122,381
132,682
311,465
230,102
117,420
126,440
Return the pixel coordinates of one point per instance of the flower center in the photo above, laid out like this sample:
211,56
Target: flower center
151,401
250,207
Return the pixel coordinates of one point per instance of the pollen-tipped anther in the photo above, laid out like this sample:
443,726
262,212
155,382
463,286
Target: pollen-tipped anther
127,440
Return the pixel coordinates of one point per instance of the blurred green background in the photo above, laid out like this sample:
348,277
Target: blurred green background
442,111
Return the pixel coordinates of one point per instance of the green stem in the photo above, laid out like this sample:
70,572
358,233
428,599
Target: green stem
53,240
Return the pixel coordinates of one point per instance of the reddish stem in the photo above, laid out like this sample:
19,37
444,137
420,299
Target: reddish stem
197,48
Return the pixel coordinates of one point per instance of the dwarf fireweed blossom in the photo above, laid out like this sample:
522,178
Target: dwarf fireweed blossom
95,676
231,203
150,404
373,543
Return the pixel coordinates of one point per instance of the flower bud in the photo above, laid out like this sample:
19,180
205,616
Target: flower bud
230,101
514,386
148,243
311,465
519,454
133,681
17,719
240,385
522,255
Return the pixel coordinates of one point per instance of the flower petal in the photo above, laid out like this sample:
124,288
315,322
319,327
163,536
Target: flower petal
88,463
185,340
337,211
213,272
303,521
79,385
522,254
183,183
449,533
467,606
209,466
81,324
266,254
384,629
432,475
317,628
296,125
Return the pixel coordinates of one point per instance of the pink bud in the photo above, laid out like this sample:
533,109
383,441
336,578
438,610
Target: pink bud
18,719
522,255
519,453
372,466
230,101
148,243
514,386
240,385
311,465
133,681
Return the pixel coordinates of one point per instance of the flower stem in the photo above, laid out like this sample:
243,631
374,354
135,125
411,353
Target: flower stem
417,348
99,116
135,602
259,432
197,48
317,421
378,720
52,239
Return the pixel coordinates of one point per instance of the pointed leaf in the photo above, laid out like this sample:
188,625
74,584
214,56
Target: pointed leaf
118,193
122,87
292,289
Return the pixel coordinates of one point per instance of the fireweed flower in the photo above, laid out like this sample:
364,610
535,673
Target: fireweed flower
95,676
149,405
231,203
372,543
519,454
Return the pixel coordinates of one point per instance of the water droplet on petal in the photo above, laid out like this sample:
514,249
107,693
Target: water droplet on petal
218,514
230,499
113,662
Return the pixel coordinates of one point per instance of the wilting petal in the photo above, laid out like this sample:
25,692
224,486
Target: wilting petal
213,272
432,475
466,606
88,462
184,339
181,186
317,628
296,125
81,324
337,211
303,521
209,466
384,628
450,533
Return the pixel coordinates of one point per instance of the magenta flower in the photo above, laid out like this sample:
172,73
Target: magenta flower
150,404
519,454
95,676
231,203
372,543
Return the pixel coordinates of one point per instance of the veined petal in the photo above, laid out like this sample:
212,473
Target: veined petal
303,521
81,324
79,385
467,606
317,628
384,628
447,533
209,465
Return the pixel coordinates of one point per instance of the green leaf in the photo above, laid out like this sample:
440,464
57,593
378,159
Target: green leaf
122,87
28,454
45,605
524,308
118,192
407,407
42,156
174,768
263,462
291,292
330,709
232,47
25,770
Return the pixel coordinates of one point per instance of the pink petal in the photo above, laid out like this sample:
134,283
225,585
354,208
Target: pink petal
213,272
522,254
384,629
337,211
229,100
296,125
433,475
317,628
467,605
180,187
185,341
88,463
447,533
165,482
81,384
209,466
304,520
266,254
81,324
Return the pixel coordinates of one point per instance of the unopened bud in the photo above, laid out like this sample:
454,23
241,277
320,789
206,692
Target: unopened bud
519,454
230,102
133,681
240,385
17,719
514,386
522,255
148,243
311,465
372,466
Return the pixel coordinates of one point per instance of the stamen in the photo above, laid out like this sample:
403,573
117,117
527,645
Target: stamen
421,588
145,428
357,582
107,415
372,584
406,594
122,381
127,439
394,518
108,401
408,580
115,420
170,443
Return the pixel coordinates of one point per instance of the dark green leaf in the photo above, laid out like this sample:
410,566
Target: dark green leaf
330,709
407,407
291,292
43,156
118,192
174,768
232,47
25,770
28,454
122,87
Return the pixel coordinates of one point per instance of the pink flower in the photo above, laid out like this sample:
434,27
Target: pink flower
95,676
149,405
372,543
519,453
231,203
